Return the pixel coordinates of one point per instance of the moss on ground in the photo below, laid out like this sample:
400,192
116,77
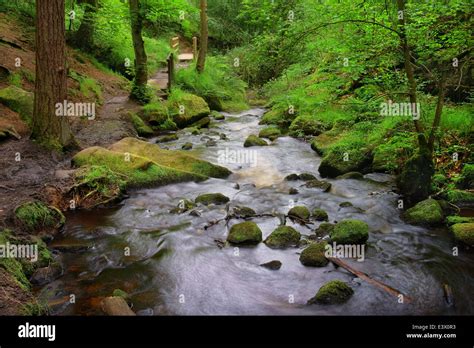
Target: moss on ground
37,216
19,101
142,129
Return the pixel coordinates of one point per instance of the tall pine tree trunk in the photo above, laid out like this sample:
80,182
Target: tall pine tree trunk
84,35
51,75
204,38
141,72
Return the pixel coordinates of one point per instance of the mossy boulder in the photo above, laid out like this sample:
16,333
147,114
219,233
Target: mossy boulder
187,146
307,177
351,175
212,198
336,163
292,177
136,170
460,197
168,158
414,181
36,216
350,232
142,129
19,101
253,140
299,212
12,265
244,212
273,265
333,292
217,115
320,215
454,219
187,109
464,233
246,232
320,184
427,212
313,255
202,123
346,204
466,179
282,237
270,133
305,126
183,206
167,138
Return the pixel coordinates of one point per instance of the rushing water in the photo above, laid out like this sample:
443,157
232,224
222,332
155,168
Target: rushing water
177,267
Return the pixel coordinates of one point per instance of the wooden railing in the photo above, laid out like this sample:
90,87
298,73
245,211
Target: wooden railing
174,44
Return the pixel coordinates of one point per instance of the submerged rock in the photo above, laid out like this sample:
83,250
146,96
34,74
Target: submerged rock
253,140
282,237
464,232
293,191
313,255
292,177
246,232
299,212
244,212
320,215
350,232
273,265
351,175
212,198
427,212
187,146
116,306
346,204
334,291
45,275
324,229
307,176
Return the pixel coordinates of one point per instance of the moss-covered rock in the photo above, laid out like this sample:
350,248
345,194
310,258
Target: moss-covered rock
307,177
12,265
282,237
19,101
136,170
217,115
36,216
273,265
270,133
313,255
292,177
459,197
299,212
155,114
350,232
351,175
346,204
142,129
427,212
167,138
172,159
183,206
212,198
121,293
202,123
305,125
323,185
466,179
320,215
333,292
187,146
245,233
414,181
464,233
336,163
253,140
454,219
324,229
244,212
186,109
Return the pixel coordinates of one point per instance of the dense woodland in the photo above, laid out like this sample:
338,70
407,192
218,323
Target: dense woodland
374,86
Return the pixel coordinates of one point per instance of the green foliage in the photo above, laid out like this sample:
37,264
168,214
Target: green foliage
87,86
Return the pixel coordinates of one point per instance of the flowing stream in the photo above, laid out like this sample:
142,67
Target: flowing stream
176,267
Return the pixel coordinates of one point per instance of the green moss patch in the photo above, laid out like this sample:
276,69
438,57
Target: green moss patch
282,237
464,233
427,212
37,216
246,232
313,255
350,232
333,292
253,140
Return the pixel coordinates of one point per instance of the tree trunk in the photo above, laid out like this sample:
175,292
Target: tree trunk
407,58
438,112
204,38
141,71
51,76
84,35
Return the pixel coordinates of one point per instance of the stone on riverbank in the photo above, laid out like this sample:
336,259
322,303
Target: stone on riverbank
427,212
464,233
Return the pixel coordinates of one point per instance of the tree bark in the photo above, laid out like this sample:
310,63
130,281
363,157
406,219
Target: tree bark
141,71
51,76
204,38
407,61
438,112
84,35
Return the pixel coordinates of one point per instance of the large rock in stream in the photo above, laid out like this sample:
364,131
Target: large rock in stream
350,232
333,292
282,237
336,163
188,109
246,232
427,212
